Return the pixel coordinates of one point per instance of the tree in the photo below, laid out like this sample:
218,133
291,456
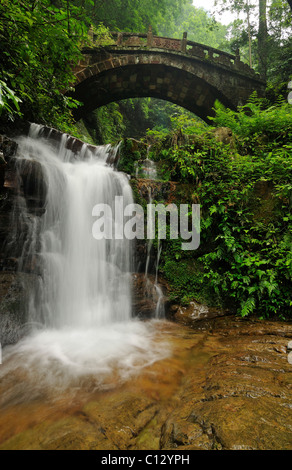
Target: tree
39,42
132,15
269,32
262,38
199,24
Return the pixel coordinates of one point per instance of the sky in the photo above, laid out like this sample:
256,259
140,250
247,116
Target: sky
225,18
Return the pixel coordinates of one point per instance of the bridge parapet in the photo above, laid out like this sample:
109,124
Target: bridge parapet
184,72
127,40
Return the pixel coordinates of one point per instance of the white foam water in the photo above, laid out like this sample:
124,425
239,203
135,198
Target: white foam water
48,363
83,299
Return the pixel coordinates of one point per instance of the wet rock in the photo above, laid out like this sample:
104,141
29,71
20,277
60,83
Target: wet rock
72,143
179,433
159,190
146,295
195,312
203,396
14,291
7,151
3,164
141,254
33,181
2,159
224,135
7,147
6,206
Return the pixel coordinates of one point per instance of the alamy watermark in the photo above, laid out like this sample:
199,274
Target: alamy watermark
128,222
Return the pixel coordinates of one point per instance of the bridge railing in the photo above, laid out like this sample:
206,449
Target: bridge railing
191,48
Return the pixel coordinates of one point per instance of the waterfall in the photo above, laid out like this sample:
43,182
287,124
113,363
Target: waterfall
84,282
160,310
149,286
149,242
81,303
146,168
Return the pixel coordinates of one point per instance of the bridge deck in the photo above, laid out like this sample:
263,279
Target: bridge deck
121,40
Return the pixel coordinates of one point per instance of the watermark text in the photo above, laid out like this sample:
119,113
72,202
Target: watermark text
122,221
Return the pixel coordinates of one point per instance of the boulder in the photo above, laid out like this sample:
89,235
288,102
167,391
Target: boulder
195,311
224,135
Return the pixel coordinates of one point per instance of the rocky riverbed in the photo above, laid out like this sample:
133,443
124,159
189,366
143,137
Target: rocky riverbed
225,384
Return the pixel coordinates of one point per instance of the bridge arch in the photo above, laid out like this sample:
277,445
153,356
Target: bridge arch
192,79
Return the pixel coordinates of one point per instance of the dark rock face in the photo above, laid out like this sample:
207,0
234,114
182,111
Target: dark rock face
6,207
8,191
7,147
14,292
3,164
33,183
146,296
7,151
22,200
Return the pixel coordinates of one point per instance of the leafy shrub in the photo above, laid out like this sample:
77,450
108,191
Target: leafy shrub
245,257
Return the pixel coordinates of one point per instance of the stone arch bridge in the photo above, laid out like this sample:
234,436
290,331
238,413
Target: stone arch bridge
184,72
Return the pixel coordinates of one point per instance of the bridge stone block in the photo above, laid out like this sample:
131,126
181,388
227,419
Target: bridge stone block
187,79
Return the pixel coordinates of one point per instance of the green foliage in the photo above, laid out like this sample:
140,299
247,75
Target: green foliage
197,22
9,102
39,43
135,117
129,155
134,15
273,45
184,279
275,122
245,260
188,123
105,124
196,158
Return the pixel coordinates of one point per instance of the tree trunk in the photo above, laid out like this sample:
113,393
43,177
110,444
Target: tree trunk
248,32
262,38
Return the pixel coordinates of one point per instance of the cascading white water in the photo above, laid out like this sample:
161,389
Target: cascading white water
85,281
83,298
159,310
146,168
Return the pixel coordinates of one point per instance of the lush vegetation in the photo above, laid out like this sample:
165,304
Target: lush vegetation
41,39
262,32
244,188
36,64
136,118
243,182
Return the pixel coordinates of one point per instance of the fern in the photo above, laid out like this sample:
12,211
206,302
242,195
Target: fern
248,307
